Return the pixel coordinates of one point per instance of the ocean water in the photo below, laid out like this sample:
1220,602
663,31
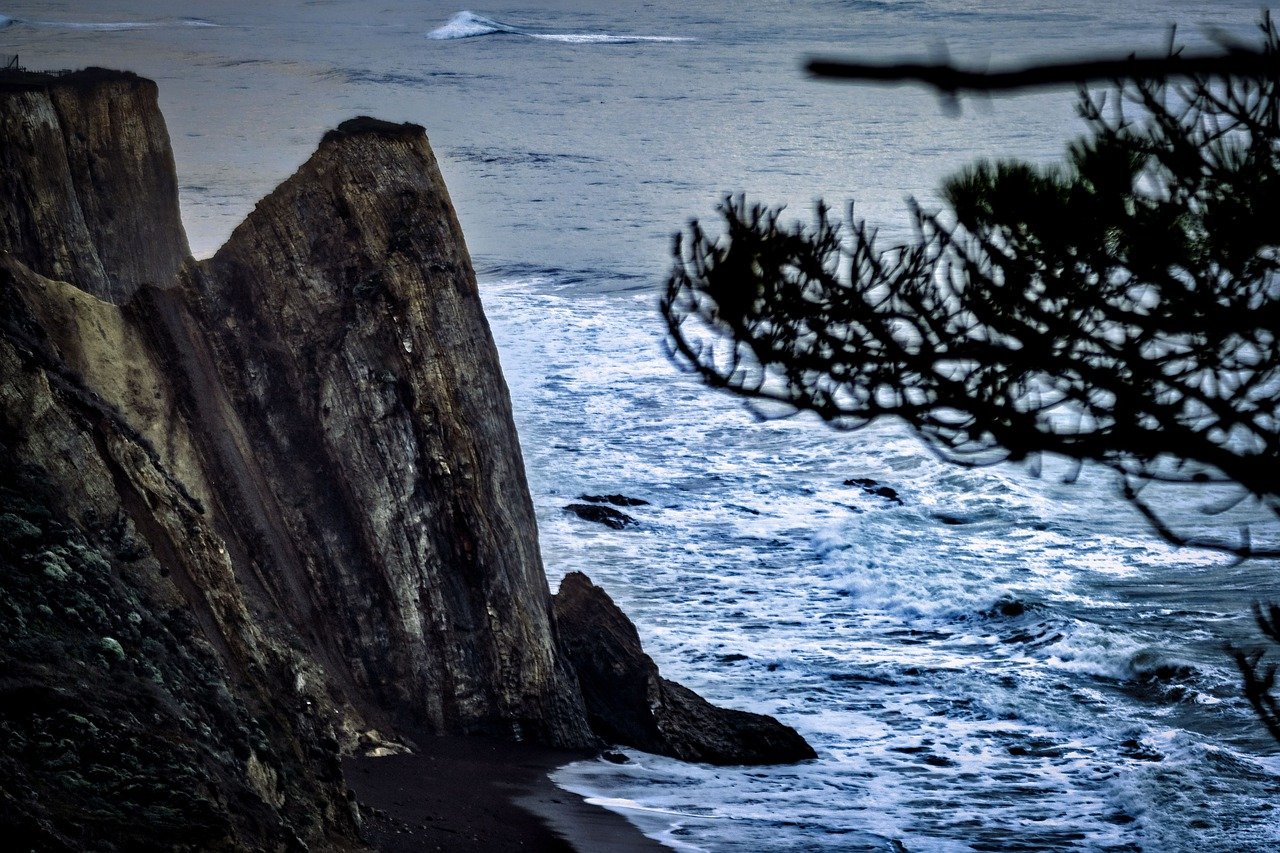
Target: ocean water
997,661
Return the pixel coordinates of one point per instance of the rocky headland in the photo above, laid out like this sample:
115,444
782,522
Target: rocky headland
266,510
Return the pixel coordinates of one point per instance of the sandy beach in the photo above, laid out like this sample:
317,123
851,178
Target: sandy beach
477,794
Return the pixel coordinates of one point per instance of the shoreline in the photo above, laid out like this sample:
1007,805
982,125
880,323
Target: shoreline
475,794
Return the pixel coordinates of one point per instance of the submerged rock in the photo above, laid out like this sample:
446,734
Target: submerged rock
1007,608
873,488
629,702
607,516
616,500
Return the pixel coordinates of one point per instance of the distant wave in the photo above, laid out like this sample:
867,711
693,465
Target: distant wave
87,25
465,25
6,21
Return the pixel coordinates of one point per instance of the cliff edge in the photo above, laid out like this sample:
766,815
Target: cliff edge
88,181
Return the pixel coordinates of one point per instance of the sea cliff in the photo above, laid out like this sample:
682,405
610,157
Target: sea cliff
258,510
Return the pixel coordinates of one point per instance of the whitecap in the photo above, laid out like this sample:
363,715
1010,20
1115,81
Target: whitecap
469,25
111,26
603,38
466,25
94,25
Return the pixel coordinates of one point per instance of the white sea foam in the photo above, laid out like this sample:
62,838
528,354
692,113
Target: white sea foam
104,26
919,646
111,26
470,25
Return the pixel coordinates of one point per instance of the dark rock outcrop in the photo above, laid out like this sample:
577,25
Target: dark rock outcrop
630,703
873,488
608,516
616,500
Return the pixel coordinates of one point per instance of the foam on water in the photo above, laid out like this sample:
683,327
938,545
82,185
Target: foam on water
109,26
96,25
470,25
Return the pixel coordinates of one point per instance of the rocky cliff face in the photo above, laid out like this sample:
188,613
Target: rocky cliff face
380,463
86,174
143,705
253,510
255,507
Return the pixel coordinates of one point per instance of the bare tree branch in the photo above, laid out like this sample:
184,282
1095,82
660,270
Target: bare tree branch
1122,309
949,79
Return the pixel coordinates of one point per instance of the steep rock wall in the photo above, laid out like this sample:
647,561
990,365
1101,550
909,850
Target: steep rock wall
381,463
294,464
142,707
86,171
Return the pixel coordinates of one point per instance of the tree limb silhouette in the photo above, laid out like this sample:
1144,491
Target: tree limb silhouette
1122,308
949,79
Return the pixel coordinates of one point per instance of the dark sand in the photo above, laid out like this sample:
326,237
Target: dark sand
475,794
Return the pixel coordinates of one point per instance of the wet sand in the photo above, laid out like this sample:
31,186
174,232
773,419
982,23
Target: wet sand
475,794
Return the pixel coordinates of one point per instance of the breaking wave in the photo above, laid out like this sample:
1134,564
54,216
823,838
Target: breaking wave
466,25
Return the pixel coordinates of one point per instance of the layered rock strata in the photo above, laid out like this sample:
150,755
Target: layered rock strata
90,195
302,450
256,509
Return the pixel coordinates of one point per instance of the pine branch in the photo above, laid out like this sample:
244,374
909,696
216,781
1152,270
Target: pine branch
949,79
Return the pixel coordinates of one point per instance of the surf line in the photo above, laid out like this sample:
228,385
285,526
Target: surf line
466,25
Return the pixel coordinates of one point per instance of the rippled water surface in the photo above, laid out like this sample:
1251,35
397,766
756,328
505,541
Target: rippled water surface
995,663
987,662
